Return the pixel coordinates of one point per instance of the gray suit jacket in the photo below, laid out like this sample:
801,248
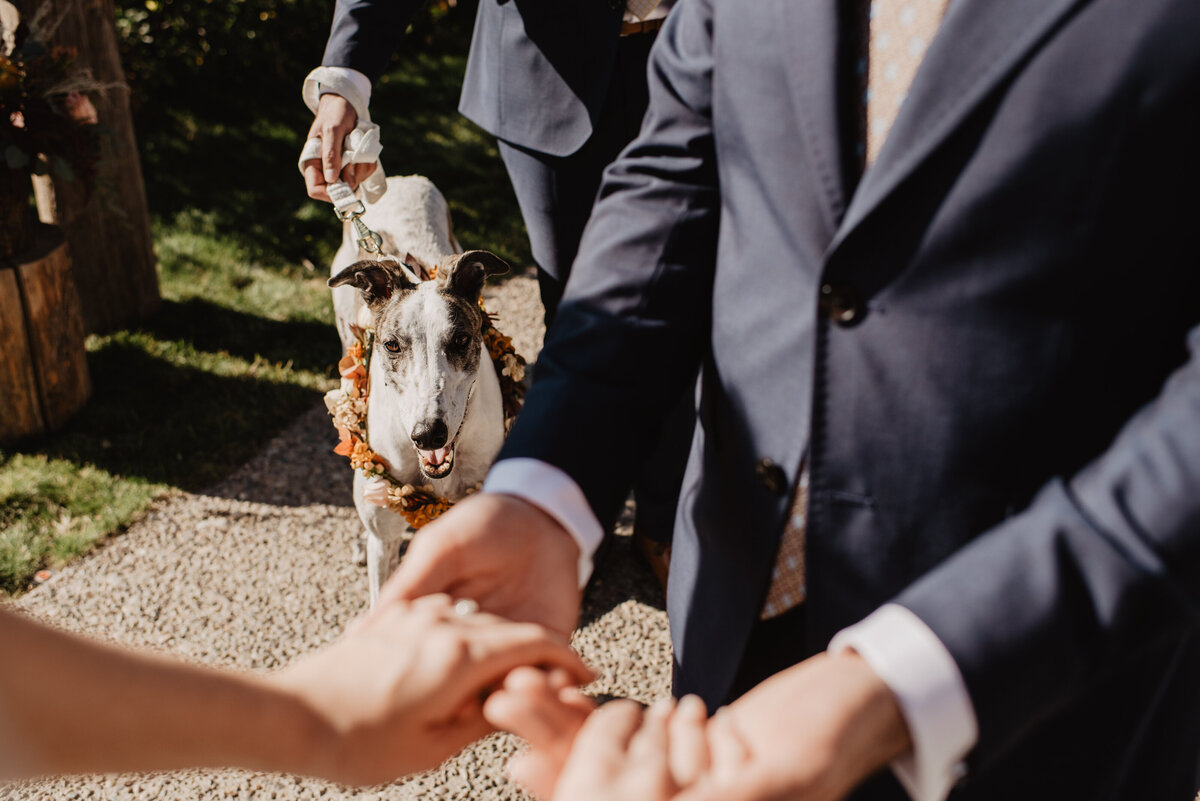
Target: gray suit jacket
537,73
982,348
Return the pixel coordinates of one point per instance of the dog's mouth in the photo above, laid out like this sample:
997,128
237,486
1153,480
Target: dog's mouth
437,463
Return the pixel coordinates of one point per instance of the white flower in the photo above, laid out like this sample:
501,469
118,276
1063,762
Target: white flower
375,490
513,368
334,398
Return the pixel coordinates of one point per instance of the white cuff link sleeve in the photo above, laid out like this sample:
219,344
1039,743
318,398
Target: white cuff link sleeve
362,146
556,494
921,673
337,79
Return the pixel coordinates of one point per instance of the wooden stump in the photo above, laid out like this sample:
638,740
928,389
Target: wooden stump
109,232
43,366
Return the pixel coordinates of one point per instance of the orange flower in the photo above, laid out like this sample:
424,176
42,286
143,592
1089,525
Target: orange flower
351,367
426,512
346,443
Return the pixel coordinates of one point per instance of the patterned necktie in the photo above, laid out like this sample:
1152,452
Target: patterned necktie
900,33
641,8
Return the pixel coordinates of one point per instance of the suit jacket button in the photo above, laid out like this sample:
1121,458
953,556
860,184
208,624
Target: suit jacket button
772,477
842,304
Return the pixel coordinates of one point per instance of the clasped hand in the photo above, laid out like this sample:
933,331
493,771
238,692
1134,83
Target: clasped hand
814,731
403,689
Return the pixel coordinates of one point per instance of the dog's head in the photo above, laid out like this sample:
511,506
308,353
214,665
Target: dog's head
428,336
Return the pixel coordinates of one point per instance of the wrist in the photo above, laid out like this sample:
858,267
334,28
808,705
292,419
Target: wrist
536,518
556,494
876,732
290,733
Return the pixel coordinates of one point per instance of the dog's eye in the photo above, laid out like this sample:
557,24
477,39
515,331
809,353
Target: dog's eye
392,346
460,341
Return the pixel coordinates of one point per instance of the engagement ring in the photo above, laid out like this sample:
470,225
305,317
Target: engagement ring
465,606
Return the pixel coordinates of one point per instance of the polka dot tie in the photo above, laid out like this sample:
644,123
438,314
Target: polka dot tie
641,8
901,31
787,581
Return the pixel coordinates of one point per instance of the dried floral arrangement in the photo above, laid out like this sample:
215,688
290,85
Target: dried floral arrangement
48,125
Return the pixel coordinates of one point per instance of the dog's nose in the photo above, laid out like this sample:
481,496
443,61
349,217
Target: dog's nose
429,435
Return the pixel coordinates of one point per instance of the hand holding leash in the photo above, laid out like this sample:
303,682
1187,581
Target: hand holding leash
342,142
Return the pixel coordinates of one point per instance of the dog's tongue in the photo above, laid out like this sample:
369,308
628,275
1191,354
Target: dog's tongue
435,458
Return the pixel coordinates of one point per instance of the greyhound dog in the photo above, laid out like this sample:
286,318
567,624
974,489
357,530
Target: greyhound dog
435,412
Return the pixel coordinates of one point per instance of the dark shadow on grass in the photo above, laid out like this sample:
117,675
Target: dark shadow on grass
210,327
232,155
169,424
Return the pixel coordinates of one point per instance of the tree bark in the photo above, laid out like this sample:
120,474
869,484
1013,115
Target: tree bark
44,380
20,406
108,232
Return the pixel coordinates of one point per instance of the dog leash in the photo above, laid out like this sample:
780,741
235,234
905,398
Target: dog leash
349,208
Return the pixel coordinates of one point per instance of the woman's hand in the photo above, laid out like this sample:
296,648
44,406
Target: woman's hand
403,689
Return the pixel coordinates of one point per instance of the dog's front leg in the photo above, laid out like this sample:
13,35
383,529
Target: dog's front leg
383,557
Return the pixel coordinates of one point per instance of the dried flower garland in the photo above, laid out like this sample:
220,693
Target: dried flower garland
47,123
347,406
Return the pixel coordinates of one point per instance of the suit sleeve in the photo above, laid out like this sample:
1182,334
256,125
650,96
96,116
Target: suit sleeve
632,326
365,33
1096,570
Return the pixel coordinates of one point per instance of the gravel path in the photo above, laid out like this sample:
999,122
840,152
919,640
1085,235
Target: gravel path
258,569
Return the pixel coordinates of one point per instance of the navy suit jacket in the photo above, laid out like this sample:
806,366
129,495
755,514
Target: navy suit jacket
537,73
982,348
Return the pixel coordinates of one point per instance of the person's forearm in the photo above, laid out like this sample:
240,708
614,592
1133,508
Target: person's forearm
74,706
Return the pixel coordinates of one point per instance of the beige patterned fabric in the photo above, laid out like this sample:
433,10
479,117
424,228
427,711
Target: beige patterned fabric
638,10
901,31
787,581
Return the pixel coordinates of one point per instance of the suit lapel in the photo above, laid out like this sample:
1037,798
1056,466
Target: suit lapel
979,44
810,28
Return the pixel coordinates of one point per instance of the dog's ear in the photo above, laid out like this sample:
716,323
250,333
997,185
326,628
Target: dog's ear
465,273
376,280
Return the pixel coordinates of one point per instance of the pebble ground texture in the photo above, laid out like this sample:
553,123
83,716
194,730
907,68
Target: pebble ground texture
258,569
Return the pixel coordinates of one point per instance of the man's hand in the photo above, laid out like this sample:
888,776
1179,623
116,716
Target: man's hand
622,753
334,121
548,712
813,731
401,691
505,553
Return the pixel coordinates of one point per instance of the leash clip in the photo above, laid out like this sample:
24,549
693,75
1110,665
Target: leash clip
368,240
349,208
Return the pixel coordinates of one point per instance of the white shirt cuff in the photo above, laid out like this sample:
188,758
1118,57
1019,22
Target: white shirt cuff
921,673
359,81
556,494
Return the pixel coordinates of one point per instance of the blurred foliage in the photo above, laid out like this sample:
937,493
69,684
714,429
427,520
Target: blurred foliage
46,124
178,44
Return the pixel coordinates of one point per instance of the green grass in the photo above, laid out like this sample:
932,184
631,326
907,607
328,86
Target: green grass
244,341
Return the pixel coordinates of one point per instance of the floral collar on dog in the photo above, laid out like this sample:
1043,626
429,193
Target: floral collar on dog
348,407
